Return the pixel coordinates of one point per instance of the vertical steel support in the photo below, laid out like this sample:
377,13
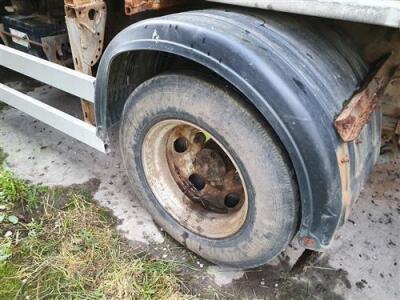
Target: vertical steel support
86,20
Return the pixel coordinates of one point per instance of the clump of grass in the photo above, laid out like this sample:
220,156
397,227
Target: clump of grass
72,252
3,157
2,105
15,191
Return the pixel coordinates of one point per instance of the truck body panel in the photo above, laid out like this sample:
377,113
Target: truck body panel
384,13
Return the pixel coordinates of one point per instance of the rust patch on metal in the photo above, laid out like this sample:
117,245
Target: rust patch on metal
357,112
343,160
309,242
86,21
136,6
203,172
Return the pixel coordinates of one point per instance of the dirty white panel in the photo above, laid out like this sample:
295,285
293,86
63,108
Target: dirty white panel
386,13
61,121
65,79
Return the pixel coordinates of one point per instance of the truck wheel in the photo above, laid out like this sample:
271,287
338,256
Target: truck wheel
209,170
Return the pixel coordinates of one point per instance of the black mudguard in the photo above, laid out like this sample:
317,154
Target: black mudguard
297,73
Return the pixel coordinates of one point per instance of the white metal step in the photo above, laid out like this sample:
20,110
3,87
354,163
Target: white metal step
62,78
66,123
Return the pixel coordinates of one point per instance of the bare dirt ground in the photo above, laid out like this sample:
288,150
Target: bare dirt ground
362,263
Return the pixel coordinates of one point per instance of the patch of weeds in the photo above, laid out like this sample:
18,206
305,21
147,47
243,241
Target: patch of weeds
5,249
10,284
14,191
71,251
3,156
2,105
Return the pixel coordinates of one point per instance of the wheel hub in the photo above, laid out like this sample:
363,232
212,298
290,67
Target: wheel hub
194,179
203,171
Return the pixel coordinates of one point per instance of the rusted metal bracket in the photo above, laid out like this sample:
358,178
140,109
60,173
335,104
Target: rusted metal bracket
136,6
86,21
56,49
357,112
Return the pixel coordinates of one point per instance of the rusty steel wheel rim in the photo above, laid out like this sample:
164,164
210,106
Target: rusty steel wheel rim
195,179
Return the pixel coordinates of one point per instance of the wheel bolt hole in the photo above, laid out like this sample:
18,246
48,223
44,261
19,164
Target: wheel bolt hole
197,181
199,138
181,145
231,200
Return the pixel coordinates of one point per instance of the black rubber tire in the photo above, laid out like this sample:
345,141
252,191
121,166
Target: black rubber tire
272,218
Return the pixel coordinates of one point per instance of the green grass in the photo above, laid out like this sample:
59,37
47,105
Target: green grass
68,248
16,191
3,157
2,105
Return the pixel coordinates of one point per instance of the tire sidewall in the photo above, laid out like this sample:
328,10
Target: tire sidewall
231,122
